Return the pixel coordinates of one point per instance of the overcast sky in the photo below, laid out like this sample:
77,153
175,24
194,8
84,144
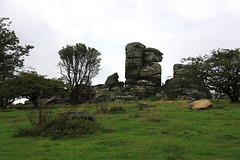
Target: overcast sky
178,28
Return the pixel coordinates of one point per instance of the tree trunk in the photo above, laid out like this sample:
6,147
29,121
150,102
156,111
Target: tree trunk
233,97
74,96
34,100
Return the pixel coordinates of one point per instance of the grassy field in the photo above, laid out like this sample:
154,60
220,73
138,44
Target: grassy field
166,130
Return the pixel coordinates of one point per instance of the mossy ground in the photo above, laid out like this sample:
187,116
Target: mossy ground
166,130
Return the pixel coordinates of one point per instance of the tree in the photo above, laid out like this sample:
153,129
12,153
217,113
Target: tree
220,71
33,86
78,66
11,59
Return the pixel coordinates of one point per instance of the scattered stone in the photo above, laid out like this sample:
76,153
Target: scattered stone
200,104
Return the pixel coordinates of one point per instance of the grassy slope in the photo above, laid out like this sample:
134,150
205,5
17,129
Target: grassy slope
169,130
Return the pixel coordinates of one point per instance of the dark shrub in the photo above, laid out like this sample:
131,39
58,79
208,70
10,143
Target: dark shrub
59,127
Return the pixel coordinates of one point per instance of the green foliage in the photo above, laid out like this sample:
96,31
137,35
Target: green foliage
11,60
220,71
33,86
7,93
56,127
78,66
39,116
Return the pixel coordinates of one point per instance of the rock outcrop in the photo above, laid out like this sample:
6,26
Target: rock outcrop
112,81
184,86
142,70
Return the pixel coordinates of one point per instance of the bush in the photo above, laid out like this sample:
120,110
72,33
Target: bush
58,127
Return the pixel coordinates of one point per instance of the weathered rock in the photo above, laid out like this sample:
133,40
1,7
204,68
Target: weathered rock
53,100
200,104
180,69
142,69
112,81
127,98
139,92
161,95
184,86
150,70
78,115
134,48
145,83
152,55
98,97
132,74
57,100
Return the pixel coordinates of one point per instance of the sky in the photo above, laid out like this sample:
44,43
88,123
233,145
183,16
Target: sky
178,28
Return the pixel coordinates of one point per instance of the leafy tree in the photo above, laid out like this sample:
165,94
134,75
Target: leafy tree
33,86
220,71
78,66
11,59
7,96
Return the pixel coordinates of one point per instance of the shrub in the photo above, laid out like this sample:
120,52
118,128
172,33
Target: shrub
58,127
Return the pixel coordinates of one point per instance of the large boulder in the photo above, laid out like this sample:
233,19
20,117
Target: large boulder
112,81
200,104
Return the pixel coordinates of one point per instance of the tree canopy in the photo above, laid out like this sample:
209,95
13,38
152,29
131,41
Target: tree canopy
220,71
33,86
11,59
78,65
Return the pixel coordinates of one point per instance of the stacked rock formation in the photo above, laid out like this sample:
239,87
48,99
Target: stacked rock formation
142,70
184,86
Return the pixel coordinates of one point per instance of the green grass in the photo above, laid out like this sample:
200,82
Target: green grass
167,130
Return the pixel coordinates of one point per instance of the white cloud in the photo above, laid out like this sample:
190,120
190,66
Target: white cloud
178,28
